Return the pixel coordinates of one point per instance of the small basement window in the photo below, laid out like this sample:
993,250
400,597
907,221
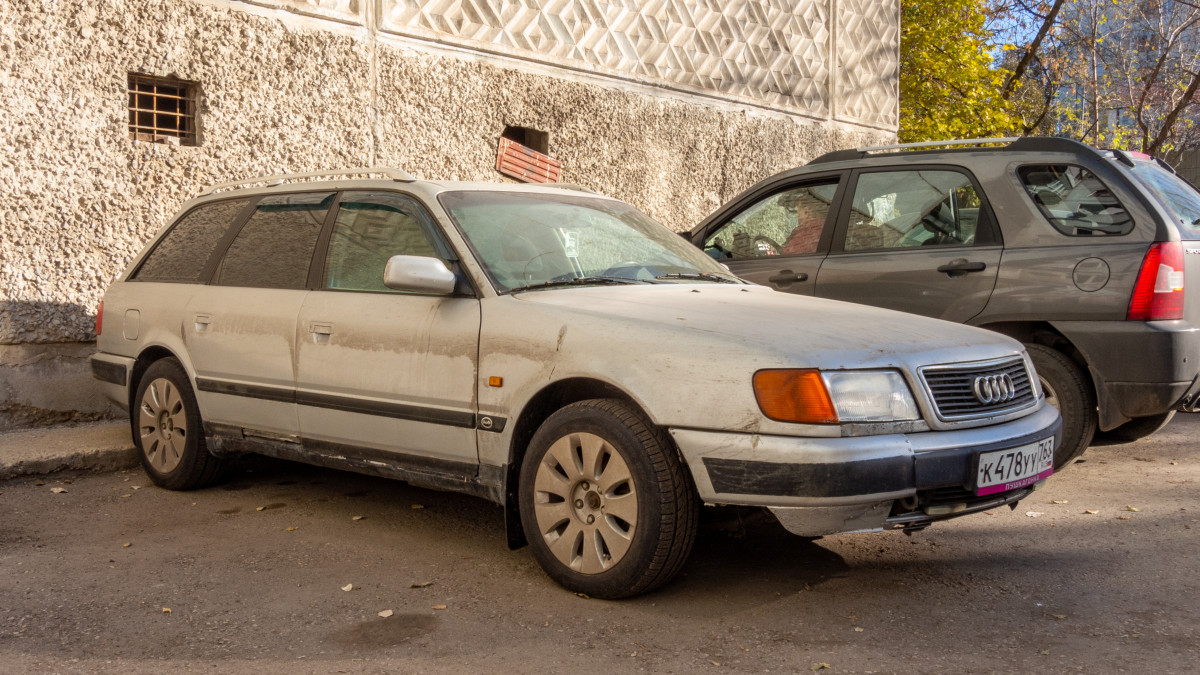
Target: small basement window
162,109
538,141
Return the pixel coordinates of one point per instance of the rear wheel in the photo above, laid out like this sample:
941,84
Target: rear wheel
1069,389
168,430
1134,430
606,505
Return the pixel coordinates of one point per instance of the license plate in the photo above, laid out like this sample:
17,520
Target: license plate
1004,470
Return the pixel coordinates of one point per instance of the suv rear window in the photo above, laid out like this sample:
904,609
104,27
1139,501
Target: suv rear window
1179,195
1075,201
182,253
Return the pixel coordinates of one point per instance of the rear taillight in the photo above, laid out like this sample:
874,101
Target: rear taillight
1158,295
99,318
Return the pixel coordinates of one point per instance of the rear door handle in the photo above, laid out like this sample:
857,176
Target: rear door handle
961,266
787,277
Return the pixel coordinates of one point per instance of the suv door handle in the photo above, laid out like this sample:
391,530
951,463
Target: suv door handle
961,266
787,277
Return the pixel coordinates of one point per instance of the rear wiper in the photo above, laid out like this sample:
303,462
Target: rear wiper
581,281
705,276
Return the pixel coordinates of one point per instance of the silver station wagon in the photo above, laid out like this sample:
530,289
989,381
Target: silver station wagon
559,353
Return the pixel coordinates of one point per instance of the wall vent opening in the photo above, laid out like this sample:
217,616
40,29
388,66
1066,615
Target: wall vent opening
522,155
162,110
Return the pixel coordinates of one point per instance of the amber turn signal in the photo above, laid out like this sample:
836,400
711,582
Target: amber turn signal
794,396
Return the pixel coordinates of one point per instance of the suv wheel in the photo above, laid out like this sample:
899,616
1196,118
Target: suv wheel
605,503
168,430
1069,389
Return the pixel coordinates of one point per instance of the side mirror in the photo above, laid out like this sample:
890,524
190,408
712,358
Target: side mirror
419,274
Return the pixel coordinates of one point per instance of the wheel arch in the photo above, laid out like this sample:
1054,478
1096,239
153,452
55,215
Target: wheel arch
542,405
144,360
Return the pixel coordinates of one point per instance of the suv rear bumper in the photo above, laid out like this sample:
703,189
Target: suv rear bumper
1140,367
821,486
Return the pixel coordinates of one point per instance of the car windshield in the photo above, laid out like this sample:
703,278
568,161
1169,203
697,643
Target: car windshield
530,241
1179,195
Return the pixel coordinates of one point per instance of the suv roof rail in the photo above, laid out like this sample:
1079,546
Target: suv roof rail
398,175
859,153
570,186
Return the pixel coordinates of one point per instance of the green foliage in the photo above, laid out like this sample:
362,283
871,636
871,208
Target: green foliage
949,87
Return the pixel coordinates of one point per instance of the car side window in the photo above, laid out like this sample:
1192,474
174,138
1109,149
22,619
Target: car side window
786,223
908,209
274,248
1074,200
183,252
369,229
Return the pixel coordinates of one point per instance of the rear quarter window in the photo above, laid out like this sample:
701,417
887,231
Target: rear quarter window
1075,201
275,247
183,252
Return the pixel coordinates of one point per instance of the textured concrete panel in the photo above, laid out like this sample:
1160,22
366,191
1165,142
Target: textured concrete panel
768,52
868,62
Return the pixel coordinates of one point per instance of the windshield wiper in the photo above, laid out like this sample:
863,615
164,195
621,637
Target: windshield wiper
581,281
704,276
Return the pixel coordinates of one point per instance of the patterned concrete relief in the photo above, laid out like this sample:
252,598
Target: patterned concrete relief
868,62
344,10
769,52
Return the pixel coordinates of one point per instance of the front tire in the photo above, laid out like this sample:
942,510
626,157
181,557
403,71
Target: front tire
1068,388
168,431
606,505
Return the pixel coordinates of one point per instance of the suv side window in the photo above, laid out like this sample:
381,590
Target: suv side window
275,247
1074,200
786,223
183,252
369,229
905,209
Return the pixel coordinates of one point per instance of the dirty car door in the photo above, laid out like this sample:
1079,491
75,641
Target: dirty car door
382,373
916,240
779,239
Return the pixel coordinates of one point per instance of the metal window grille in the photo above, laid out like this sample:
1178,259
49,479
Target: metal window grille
162,110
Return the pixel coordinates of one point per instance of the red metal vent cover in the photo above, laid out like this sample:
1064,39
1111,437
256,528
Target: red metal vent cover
525,164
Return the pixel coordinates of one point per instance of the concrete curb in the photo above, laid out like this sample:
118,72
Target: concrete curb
104,446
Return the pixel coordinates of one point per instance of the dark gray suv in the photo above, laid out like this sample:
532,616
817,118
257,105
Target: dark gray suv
1082,254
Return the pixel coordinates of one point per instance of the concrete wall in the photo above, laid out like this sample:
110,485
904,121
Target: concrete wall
674,108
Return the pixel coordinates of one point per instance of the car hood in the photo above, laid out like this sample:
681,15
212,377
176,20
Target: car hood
799,329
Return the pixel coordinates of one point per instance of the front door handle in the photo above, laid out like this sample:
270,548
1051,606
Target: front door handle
786,278
321,332
961,266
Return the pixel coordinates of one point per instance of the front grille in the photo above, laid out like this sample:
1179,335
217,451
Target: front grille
953,388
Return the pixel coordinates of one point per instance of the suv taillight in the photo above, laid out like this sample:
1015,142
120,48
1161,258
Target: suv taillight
99,318
1158,295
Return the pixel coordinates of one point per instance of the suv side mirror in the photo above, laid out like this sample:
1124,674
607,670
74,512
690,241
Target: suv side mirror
419,274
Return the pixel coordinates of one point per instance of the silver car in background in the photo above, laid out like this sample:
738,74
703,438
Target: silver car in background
559,353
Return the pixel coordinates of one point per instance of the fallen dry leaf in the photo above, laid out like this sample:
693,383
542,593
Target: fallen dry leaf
136,487
1033,514
291,529
418,506
820,666
260,508
585,596
439,607
1060,617
38,482
743,648
358,517
422,584
166,610
1045,652
127,544
1058,501
1092,512
858,629
348,587
715,663
58,491
1122,517
1133,508
385,613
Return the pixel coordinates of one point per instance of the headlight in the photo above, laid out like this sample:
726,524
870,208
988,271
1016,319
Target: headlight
814,397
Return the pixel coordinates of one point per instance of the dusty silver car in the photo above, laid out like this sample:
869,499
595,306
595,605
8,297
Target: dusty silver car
557,352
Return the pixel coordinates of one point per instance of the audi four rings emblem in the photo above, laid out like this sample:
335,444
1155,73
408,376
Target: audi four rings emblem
995,388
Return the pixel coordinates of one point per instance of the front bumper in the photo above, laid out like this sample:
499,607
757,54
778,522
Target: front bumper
827,485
